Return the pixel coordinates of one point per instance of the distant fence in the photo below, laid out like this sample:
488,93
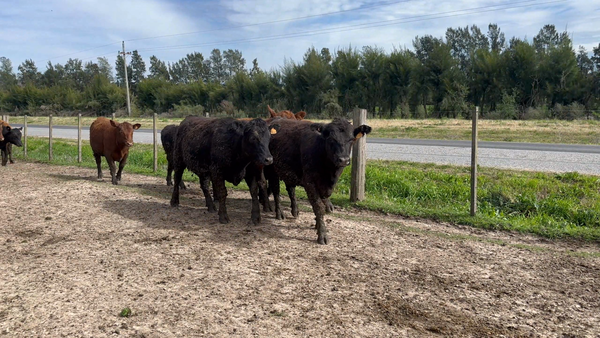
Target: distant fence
359,156
79,137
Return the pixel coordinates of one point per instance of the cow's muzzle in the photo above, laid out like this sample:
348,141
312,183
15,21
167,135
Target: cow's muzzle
343,161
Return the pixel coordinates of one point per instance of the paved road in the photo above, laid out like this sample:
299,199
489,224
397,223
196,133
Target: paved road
527,156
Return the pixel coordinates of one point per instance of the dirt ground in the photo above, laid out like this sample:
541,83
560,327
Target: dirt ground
75,252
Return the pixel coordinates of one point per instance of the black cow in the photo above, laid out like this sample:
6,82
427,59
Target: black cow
311,155
167,137
11,136
220,150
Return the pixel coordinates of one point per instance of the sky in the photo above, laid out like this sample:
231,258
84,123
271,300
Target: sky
272,31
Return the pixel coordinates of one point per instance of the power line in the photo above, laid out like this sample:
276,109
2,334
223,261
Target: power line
275,21
475,10
81,51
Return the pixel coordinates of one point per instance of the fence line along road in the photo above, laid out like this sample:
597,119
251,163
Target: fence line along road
584,159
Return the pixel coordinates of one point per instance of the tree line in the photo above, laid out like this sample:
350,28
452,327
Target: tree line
439,77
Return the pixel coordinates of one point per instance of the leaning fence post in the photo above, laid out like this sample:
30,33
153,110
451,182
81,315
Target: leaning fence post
79,138
155,141
474,164
359,159
50,137
113,116
25,136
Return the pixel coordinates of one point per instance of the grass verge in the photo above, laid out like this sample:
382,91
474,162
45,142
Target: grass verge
547,204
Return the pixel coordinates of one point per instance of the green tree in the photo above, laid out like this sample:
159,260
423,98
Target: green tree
158,69
7,77
28,73
218,72
138,70
347,76
234,62
105,68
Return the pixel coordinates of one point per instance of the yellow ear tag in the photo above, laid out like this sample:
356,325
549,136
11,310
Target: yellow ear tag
358,136
273,131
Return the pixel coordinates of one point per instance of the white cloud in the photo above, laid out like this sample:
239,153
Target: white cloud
42,30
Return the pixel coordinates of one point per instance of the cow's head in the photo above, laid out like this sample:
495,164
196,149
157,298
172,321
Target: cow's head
339,136
125,132
12,135
286,114
257,134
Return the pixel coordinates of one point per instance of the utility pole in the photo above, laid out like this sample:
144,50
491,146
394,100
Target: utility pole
126,79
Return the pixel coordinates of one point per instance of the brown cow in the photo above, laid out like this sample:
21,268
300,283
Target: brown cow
111,140
2,124
287,114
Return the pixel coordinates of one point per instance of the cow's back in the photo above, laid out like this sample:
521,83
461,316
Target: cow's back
102,137
167,137
193,143
289,146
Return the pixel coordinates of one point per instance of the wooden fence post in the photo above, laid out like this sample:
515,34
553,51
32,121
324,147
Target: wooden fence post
155,140
474,163
113,116
50,137
79,138
25,136
6,118
359,159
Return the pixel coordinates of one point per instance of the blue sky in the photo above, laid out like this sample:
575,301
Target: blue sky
56,30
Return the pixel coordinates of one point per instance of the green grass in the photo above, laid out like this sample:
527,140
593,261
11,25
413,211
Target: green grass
550,205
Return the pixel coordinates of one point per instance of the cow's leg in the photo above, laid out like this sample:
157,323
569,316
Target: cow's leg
9,151
204,181
292,194
122,164
4,156
113,170
274,186
253,184
169,171
319,210
220,191
99,165
263,193
175,195
328,205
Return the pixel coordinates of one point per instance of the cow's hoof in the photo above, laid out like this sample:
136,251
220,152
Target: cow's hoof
211,208
115,182
328,206
174,203
223,219
12,162
169,183
279,214
295,212
256,219
322,239
267,207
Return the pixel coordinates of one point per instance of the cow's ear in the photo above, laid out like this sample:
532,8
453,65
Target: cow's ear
300,115
136,126
19,129
361,131
274,128
113,123
271,111
316,127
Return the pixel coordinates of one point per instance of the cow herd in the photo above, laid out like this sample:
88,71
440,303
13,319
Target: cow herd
263,152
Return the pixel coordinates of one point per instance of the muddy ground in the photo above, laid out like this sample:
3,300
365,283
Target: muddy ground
75,252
